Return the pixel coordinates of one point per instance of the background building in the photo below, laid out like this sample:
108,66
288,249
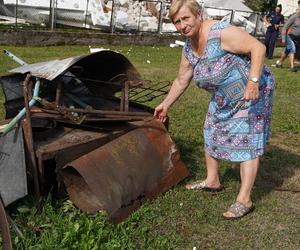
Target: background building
288,7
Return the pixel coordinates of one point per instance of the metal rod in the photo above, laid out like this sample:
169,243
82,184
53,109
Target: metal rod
14,226
59,92
147,98
139,17
77,100
22,113
29,137
126,97
41,172
232,16
4,225
62,109
86,11
160,25
14,57
52,14
122,100
100,112
139,90
112,17
32,102
17,4
60,117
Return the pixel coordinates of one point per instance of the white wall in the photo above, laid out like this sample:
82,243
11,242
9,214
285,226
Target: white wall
288,6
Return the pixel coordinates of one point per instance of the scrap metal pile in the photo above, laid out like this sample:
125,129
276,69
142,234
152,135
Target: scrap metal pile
80,125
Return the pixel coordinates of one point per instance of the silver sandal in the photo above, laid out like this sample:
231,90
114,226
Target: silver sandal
201,185
239,210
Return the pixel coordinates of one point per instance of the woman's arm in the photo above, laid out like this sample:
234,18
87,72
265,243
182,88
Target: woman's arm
179,85
237,41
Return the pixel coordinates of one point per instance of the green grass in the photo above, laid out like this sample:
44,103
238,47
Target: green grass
180,219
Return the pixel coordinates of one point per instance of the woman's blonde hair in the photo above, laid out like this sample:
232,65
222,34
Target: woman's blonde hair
192,5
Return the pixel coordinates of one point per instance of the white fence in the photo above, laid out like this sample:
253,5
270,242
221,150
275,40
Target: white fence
109,15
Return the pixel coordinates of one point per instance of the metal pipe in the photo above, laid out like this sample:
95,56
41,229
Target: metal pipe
29,137
16,12
60,117
52,14
232,16
59,91
139,18
14,226
112,17
88,110
161,14
77,100
14,57
100,112
22,113
64,111
32,102
86,13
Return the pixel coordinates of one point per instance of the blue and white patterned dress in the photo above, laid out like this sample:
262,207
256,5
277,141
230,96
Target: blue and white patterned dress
234,130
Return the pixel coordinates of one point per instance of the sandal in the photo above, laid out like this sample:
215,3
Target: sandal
278,64
201,185
293,69
239,210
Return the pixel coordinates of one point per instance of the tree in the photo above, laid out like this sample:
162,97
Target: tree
261,5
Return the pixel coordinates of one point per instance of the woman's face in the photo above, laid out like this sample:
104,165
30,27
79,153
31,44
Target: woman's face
187,23
278,9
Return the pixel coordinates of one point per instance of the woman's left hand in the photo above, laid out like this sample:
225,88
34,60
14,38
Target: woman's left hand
251,91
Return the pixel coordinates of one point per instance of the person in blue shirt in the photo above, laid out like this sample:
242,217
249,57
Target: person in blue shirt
291,40
274,20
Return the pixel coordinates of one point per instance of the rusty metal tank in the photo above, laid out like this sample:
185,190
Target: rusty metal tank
88,124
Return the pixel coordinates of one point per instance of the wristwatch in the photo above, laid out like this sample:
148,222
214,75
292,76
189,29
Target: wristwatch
253,79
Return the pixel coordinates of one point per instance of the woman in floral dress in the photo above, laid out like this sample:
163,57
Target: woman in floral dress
229,63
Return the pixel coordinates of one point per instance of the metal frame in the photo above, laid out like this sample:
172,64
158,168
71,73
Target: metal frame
111,28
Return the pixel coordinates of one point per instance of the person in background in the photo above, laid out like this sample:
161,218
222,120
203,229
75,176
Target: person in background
290,38
228,63
298,45
274,20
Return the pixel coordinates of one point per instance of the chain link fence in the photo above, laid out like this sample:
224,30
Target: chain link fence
126,16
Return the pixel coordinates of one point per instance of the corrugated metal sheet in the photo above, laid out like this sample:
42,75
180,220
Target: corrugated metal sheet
47,70
100,66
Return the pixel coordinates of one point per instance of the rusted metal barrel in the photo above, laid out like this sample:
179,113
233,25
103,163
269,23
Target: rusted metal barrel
119,176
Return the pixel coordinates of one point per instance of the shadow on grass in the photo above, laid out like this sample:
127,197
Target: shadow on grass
277,166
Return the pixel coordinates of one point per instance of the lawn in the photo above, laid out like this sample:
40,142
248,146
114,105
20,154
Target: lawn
180,219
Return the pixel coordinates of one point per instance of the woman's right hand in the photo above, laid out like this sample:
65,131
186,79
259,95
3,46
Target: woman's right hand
161,112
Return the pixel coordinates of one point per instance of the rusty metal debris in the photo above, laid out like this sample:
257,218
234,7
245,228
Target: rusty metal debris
4,227
85,122
136,166
293,190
